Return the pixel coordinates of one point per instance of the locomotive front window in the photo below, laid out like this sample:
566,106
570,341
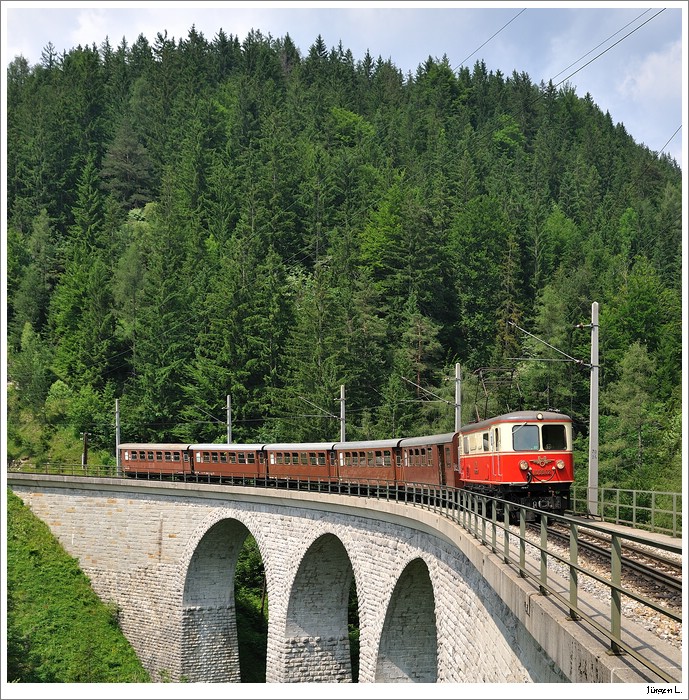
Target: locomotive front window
525,438
554,437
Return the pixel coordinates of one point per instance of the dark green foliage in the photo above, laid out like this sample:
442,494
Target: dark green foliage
252,613
194,218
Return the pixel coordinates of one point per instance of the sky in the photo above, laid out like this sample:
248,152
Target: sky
631,57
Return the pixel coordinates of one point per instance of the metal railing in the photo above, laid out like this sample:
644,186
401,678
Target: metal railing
655,511
477,514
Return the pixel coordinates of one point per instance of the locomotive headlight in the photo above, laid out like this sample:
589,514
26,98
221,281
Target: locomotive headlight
560,464
539,416
523,465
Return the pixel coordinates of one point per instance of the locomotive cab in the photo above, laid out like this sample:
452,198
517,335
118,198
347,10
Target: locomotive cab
524,457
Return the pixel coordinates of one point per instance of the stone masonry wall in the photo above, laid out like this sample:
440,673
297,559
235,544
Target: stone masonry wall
150,550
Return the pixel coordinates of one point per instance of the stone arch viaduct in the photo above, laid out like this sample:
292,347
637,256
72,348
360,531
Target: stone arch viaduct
434,605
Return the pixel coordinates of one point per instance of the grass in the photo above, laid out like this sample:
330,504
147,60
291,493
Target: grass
58,630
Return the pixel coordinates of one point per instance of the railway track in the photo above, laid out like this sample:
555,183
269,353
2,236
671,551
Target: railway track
653,571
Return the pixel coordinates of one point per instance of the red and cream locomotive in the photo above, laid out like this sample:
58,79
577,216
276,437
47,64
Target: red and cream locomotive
524,457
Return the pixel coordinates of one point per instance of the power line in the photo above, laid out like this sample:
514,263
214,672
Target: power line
670,139
490,38
609,47
599,45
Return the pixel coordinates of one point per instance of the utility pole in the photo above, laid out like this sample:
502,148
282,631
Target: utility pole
342,412
593,415
117,436
229,420
592,491
458,397
84,452
593,403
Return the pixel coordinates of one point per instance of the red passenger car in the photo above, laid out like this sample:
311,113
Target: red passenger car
301,460
372,462
155,459
228,461
429,460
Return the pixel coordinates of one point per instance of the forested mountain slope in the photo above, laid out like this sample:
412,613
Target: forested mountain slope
192,219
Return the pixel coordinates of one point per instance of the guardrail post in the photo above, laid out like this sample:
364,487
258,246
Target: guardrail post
573,572
544,555
522,542
615,595
506,534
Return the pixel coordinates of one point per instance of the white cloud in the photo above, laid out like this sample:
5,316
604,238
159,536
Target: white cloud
657,77
90,24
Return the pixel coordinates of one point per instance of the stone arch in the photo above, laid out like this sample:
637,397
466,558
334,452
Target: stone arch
409,640
316,633
209,625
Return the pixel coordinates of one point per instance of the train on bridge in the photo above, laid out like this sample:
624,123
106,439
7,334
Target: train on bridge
524,457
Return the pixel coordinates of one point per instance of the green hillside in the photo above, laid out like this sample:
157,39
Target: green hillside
192,219
58,630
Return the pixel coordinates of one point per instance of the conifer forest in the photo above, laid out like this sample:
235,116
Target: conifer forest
199,218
